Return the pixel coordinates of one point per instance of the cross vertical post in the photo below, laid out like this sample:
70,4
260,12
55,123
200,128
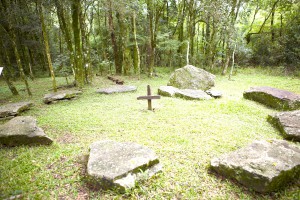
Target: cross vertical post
149,100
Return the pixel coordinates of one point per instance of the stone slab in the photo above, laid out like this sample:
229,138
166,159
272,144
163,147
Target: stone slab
14,109
214,93
273,97
167,91
117,89
23,130
116,165
190,94
288,123
264,166
61,95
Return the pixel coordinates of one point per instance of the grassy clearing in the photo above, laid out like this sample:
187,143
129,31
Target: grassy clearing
184,134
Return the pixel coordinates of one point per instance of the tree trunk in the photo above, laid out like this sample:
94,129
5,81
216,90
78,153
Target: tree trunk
46,43
17,55
136,51
151,38
85,48
118,63
79,70
9,83
272,26
65,29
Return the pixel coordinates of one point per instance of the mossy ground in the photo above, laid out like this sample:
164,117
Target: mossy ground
185,134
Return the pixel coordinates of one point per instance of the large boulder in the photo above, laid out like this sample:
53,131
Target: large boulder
288,124
22,130
263,166
117,89
275,98
190,77
61,95
14,109
114,165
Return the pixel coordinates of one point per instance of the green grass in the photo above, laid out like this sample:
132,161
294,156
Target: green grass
186,135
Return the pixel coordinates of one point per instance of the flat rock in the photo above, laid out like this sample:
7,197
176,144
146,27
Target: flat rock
264,166
214,93
115,165
275,98
117,89
61,95
167,91
191,77
190,94
288,124
14,109
22,130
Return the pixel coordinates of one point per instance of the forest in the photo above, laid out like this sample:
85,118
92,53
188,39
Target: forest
84,38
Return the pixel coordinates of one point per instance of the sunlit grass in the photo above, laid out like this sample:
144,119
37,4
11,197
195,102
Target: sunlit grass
184,134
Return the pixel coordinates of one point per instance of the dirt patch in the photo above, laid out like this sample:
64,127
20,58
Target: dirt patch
66,138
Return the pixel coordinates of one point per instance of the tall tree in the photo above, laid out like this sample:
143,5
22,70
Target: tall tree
46,43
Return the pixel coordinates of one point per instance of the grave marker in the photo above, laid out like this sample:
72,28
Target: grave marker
1,68
149,97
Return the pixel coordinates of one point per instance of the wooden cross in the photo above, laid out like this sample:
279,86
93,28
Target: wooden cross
149,97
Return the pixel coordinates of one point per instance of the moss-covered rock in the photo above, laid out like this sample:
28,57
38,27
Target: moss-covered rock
22,130
288,123
117,89
115,165
275,98
264,166
61,95
190,77
14,109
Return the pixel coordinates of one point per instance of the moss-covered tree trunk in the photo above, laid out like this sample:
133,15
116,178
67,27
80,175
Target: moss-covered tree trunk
118,61
79,70
151,44
9,83
46,44
136,51
64,25
85,47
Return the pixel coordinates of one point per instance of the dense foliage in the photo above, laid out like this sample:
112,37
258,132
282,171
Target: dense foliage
88,37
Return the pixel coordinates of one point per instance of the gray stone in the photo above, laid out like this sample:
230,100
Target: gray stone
288,124
22,130
275,98
61,95
214,93
14,109
117,89
114,165
190,94
190,77
263,166
167,91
